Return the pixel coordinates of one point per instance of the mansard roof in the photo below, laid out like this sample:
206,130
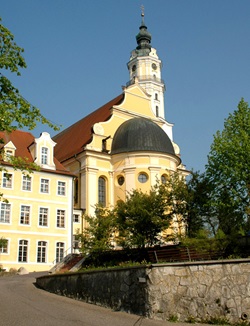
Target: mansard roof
72,140
22,141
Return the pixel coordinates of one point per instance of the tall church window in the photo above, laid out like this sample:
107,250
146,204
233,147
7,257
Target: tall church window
156,96
102,191
157,111
76,191
163,179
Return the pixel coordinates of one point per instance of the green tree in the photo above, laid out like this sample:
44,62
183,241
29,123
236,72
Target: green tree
140,220
198,215
15,111
99,235
228,172
141,217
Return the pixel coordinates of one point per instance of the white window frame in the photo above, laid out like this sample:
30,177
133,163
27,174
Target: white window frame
78,217
7,182
42,251
5,211
24,213
41,216
7,246
26,245
44,185
44,155
60,251
61,188
60,218
26,183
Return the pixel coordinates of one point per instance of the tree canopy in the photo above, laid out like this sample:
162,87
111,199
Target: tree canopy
141,218
15,111
228,172
100,233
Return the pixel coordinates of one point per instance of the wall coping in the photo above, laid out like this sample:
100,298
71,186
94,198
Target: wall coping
150,266
203,262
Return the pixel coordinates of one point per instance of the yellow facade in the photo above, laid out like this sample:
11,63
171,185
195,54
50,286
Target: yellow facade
94,163
105,175
36,219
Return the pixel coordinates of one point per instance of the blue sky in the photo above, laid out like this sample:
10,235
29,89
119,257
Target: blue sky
77,51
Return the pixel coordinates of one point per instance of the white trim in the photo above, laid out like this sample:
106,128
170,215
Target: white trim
48,217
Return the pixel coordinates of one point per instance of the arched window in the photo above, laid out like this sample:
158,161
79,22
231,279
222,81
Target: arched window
102,191
23,251
163,179
156,96
41,251
157,111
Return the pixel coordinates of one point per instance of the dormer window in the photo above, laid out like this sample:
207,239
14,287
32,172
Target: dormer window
42,151
9,151
44,155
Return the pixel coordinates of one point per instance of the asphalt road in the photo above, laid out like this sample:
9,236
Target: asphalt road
22,304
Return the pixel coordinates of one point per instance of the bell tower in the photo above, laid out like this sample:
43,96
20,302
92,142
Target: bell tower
145,67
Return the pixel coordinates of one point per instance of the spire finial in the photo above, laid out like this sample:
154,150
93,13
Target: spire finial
142,10
142,15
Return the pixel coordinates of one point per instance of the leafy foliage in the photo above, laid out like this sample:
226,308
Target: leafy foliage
141,218
15,111
3,241
99,234
228,172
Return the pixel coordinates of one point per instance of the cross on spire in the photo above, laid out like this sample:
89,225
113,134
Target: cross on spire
142,10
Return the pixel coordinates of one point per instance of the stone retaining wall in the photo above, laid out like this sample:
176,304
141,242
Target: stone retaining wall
195,291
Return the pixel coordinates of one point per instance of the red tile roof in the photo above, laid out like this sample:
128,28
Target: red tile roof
22,140
72,140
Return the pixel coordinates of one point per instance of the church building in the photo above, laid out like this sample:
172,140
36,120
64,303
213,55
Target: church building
127,143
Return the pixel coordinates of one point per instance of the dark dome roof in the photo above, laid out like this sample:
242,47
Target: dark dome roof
140,134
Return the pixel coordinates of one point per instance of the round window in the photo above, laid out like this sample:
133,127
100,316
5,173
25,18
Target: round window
120,180
142,178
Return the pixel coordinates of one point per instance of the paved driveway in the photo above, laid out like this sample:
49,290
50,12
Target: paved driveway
22,304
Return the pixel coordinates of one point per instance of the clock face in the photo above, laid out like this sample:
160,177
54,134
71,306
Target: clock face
134,68
154,66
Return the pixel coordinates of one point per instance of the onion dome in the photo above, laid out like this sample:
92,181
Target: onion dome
141,135
143,39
